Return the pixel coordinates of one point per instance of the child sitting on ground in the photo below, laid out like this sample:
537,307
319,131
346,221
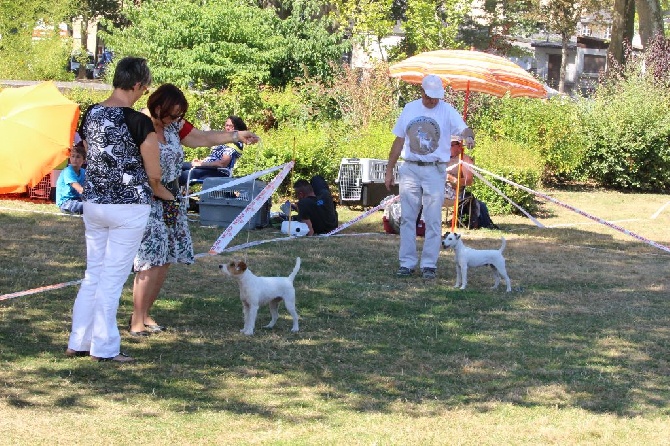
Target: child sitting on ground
70,183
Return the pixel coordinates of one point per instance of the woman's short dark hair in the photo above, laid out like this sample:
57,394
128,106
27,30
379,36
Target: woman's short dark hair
167,97
129,71
238,123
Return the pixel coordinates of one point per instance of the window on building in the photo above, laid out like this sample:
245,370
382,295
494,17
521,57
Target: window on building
594,64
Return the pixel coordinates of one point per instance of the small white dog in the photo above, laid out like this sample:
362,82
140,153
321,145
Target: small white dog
466,257
256,291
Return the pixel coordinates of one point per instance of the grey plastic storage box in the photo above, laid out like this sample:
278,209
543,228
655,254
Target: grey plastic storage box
221,207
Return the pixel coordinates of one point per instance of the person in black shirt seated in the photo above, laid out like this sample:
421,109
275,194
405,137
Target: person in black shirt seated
315,205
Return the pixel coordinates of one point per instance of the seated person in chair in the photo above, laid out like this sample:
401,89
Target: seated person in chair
452,172
219,157
70,184
315,205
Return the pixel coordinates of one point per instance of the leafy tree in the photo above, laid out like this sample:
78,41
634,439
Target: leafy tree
492,26
20,56
208,44
562,17
89,11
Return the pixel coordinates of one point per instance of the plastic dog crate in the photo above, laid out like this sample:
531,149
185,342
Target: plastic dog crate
42,190
221,207
361,181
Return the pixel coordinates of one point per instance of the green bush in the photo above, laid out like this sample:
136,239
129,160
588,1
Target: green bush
628,129
550,128
512,161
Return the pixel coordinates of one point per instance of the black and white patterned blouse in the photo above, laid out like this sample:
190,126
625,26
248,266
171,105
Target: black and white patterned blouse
115,172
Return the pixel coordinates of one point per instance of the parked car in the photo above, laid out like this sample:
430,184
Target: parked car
90,66
104,59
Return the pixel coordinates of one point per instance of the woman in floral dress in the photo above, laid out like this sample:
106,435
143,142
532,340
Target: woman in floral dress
167,238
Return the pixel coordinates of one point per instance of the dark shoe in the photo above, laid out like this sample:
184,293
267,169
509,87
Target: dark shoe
121,357
139,334
154,328
76,353
404,272
429,273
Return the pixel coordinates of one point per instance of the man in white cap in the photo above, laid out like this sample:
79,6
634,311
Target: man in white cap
423,138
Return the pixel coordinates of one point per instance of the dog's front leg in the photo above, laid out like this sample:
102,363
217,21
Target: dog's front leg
251,320
464,275
245,312
458,276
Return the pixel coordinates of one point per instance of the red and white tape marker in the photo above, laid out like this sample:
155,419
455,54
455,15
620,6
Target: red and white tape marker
40,289
365,214
574,209
249,211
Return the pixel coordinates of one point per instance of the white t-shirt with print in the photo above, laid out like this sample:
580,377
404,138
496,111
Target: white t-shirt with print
427,131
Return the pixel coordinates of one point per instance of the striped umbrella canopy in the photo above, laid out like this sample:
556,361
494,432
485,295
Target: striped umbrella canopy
467,71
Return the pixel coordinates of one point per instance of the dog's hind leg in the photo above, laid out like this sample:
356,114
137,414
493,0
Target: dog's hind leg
289,303
496,277
274,312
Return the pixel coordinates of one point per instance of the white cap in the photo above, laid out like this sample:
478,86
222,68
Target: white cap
433,87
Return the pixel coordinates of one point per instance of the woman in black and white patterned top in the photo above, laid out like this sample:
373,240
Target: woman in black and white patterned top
123,176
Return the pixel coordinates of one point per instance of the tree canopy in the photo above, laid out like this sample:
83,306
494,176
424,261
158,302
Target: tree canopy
210,44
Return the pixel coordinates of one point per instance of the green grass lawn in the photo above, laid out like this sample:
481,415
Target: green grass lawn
577,353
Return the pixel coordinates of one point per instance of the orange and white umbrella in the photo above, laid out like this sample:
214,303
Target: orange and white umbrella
37,124
463,70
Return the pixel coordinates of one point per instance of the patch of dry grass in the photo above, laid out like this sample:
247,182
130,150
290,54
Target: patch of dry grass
576,354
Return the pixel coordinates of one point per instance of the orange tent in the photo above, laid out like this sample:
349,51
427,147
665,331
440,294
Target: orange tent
37,124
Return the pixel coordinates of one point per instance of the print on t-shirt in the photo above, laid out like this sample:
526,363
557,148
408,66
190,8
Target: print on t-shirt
424,135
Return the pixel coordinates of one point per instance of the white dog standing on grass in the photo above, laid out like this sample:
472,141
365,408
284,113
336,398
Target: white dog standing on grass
256,291
468,257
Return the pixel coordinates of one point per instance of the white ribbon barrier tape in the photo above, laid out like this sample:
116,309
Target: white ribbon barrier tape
533,219
365,214
249,211
658,212
237,181
574,209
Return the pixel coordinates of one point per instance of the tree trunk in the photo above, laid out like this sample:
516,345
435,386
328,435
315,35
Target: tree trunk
565,39
84,41
623,27
651,19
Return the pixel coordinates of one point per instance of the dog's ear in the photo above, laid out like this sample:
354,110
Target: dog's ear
457,236
241,266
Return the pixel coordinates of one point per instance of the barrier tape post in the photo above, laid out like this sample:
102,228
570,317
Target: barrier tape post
249,211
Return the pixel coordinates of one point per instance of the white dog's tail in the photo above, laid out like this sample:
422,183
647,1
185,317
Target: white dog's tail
295,269
502,247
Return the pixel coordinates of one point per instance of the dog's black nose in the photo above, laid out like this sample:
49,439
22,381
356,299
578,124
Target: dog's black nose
220,266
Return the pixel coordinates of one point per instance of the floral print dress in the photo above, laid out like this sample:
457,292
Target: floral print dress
163,244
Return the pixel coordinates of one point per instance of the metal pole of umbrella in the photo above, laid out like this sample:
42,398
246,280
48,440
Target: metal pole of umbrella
460,164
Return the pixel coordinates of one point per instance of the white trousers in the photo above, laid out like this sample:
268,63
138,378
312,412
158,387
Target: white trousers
113,236
421,186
